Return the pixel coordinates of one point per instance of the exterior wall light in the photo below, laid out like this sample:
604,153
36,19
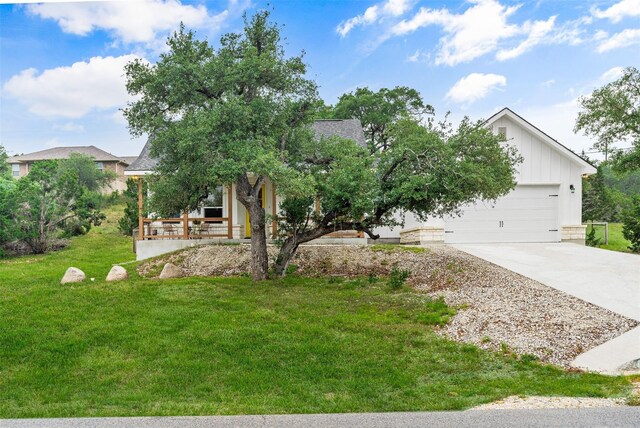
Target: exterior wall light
572,188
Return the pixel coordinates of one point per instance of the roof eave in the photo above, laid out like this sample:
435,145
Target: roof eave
588,168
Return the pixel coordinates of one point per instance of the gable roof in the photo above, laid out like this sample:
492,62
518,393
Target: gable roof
555,144
144,162
63,153
344,128
128,159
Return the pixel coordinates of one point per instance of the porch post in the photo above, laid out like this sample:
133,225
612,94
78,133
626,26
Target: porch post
140,211
185,225
274,223
230,212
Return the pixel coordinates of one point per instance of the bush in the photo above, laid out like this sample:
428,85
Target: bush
129,220
590,238
398,277
631,224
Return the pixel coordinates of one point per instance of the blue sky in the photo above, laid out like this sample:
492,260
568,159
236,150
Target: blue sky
62,82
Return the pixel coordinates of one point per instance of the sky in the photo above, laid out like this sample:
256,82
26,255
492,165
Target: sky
61,64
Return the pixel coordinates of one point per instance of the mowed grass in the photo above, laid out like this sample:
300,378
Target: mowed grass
617,241
204,346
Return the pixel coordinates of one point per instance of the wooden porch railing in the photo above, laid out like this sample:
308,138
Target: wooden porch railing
186,228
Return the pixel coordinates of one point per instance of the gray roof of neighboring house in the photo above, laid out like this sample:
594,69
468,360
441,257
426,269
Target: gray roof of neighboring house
344,128
63,153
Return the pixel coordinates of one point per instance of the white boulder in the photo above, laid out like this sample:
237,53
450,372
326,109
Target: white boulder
73,275
171,271
117,273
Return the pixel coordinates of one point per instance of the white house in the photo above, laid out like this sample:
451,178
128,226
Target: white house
545,206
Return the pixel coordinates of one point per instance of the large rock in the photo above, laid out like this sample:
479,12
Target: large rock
171,271
117,273
73,275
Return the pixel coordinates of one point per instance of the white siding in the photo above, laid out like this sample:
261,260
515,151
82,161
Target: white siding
544,163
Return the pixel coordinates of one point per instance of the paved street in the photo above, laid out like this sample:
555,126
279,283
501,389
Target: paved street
595,417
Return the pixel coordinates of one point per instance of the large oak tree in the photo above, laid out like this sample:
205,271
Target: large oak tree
225,115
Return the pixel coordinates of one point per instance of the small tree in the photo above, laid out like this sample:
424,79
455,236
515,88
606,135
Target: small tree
631,224
44,200
89,177
612,114
378,111
599,201
5,170
427,171
129,220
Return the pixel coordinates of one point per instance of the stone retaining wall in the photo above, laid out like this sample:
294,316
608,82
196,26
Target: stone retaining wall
422,235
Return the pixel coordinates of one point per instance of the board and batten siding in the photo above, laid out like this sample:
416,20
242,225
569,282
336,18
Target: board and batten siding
544,164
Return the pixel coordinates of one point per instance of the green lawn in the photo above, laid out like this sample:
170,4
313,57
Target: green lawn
617,242
200,346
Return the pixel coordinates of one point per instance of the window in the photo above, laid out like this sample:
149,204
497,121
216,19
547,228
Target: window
100,166
213,204
15,169
502,131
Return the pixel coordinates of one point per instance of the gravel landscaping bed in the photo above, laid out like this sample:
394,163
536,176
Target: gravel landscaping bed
498,309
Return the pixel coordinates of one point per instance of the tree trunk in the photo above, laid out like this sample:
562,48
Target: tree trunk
286,253
248,196
259,256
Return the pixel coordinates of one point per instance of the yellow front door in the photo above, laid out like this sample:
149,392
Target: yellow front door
247,220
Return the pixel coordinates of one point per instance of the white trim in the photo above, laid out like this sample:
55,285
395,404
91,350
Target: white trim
138,172
587,167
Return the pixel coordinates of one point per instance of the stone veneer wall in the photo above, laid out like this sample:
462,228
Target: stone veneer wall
576,233
422,235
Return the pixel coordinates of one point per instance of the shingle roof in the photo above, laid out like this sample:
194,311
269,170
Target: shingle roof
128,159
64,152
344,128
144,161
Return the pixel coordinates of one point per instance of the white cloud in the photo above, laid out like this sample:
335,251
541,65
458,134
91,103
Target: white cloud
69,127
419,56
611,74
72,91
130,21
474,87
479,30
374,13
548,83
620,10
537,32
622,39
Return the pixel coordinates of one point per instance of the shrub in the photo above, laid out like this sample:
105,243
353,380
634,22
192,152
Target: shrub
631,224
590,238
398,277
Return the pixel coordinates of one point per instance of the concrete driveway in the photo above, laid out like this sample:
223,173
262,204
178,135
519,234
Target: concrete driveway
605,278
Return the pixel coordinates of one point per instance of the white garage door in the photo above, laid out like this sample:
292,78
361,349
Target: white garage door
527,214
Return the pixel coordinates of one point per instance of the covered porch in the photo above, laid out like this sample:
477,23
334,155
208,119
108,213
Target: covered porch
220,217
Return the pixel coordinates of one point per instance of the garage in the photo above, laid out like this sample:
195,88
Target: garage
545,206
530,213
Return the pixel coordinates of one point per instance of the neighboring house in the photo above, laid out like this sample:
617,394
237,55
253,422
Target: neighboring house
545,206
21,164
